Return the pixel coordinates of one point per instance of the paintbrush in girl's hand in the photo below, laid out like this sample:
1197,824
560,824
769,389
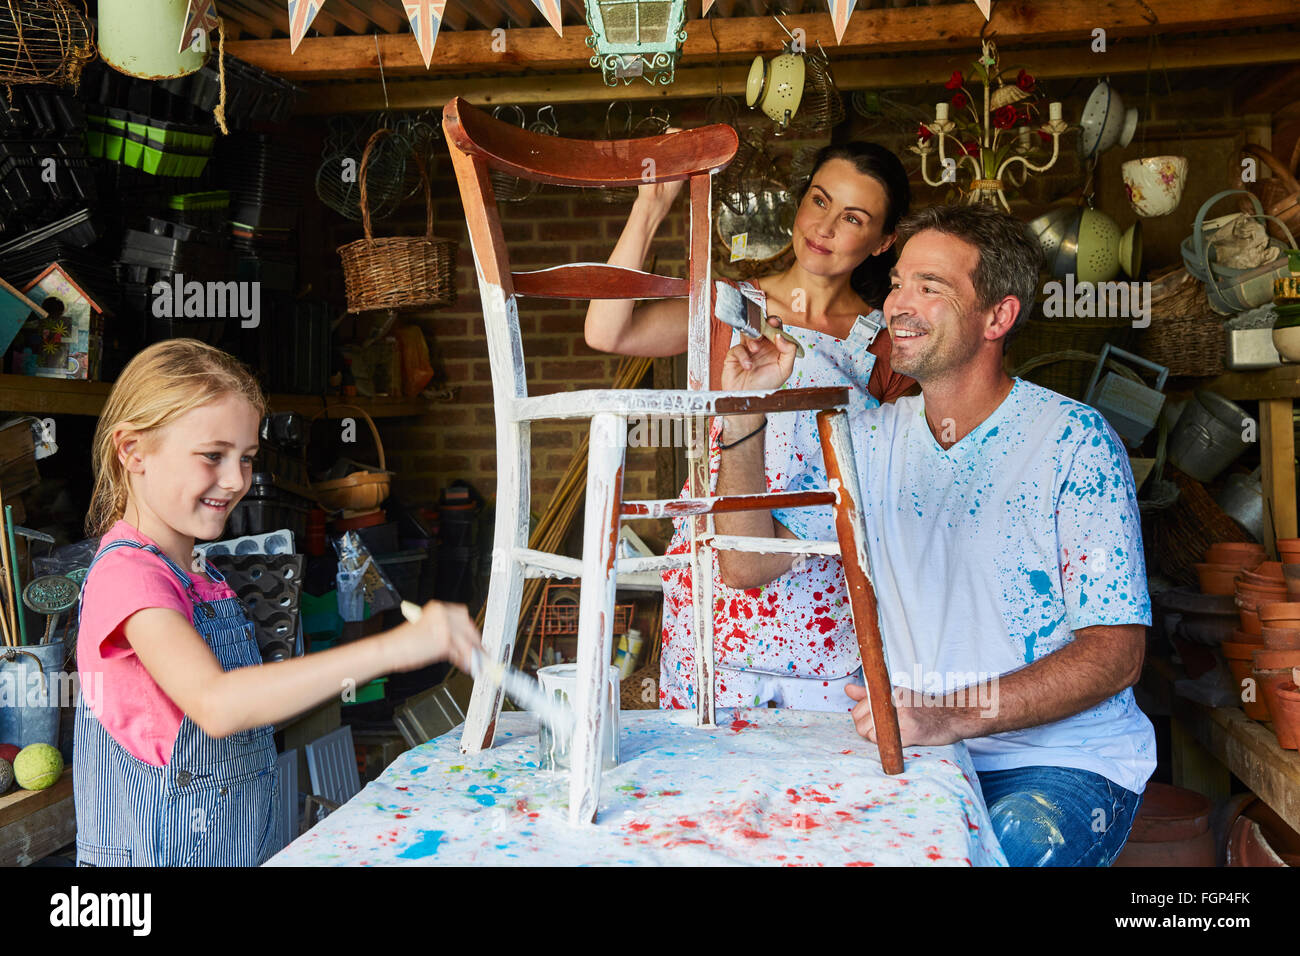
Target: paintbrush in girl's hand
518,686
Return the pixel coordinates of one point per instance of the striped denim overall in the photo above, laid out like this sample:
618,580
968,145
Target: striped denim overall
212,805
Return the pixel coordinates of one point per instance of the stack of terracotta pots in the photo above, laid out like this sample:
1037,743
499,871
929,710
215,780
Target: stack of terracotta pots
1224,562
1276,660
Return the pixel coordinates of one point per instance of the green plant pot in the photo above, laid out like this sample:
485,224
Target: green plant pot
132,153
153,161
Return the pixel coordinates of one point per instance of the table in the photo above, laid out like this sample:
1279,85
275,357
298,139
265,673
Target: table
766,787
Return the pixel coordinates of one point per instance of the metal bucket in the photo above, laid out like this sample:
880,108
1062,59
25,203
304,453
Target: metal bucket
1242,500
1208,436
31,684
141,37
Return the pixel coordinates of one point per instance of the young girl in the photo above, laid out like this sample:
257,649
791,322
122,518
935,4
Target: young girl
784,633
174,762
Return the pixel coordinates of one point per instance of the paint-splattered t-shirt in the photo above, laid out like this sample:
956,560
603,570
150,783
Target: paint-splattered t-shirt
798,625
990,555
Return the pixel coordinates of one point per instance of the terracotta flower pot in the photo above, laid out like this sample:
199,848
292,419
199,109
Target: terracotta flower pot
1243,637
1273,670
1280,638
1250,622
1286,717
1251,579
1233,551
1240,658
1217,578
1272,570
1172,828
1279,612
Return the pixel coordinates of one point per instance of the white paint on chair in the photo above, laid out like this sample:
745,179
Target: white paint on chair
605,455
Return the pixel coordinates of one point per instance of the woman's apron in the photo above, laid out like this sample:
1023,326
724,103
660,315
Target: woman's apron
214,802
790,641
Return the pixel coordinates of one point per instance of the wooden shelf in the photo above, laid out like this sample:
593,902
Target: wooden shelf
36,823
1247,748
1280,382
53,396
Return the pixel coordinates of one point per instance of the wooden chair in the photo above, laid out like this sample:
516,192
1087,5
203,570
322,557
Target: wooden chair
479,146
287,823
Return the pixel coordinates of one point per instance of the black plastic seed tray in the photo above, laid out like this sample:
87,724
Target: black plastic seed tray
78,230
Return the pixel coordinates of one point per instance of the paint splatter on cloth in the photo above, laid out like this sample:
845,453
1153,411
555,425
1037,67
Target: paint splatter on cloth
989,555
799,625
767,788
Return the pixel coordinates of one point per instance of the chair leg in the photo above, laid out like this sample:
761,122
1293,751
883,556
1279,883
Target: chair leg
605,457
702,566
505,591
842,471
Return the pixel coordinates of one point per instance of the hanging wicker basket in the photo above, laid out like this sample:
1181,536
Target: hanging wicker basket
361,491
402,272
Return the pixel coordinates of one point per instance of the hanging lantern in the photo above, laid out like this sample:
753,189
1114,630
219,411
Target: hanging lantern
636,38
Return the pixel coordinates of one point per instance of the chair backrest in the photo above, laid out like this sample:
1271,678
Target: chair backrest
332,763
480,144
428,714
286,766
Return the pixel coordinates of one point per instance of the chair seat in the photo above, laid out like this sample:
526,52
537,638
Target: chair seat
635,401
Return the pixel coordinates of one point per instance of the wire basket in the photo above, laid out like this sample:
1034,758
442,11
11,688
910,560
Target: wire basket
387,169
400,272
560,615
507,188
653,124
44,41
732,186
822,107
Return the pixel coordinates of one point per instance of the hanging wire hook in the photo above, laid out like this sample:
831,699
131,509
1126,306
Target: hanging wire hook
382,79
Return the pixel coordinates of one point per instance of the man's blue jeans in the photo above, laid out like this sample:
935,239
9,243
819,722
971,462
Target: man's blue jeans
1058,816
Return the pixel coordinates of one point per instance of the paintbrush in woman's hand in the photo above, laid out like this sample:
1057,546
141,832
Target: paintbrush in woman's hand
518,686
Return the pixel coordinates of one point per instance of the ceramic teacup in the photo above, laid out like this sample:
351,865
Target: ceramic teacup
1155,183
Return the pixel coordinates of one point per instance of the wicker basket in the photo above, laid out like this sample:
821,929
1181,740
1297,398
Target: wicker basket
1179,536
363,491
403,272
633,689
1039,338
1185,335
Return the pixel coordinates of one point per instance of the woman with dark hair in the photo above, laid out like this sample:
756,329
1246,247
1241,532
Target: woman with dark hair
783,631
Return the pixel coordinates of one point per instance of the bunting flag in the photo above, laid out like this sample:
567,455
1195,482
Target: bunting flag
551,10
708,5
301,14
199,15
985,6
841,10
426,19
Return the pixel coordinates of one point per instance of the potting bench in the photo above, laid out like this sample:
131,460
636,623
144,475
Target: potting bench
35,823
1210,744
1276,390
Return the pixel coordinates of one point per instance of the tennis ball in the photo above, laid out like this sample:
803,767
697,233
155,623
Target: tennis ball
9,752
38,766
6,775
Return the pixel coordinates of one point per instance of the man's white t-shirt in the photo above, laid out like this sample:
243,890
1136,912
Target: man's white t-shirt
991,554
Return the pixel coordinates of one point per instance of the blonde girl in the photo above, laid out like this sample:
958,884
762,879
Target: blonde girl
174,763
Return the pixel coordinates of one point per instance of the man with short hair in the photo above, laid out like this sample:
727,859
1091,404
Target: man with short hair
1004,538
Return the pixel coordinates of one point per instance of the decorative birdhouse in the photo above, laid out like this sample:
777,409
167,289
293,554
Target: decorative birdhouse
68,340
636,38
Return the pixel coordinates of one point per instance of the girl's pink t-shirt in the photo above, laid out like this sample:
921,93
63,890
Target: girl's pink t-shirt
115,685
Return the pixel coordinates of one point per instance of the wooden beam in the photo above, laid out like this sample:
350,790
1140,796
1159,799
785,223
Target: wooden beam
358,20
383,14
1277,91
257,24
701,81
236,25
944,28
521,12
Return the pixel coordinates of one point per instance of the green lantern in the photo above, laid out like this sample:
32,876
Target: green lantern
636,38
